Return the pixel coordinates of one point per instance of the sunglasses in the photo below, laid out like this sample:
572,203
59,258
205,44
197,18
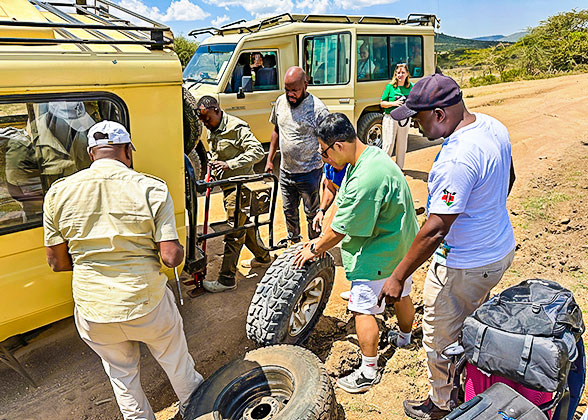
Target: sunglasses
199,110
324,153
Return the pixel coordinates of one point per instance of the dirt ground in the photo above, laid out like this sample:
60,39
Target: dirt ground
549,210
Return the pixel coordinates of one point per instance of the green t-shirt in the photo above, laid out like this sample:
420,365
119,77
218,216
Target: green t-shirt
392,93
376,215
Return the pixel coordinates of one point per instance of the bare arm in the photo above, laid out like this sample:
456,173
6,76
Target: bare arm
58,257
424,245
172,252
274,142
387,104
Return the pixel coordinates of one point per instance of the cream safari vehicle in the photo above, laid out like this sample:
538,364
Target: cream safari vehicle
349,60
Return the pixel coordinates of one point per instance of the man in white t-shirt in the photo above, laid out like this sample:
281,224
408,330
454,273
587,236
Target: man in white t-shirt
468,230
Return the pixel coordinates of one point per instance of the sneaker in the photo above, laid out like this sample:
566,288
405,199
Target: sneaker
423,410
216,287
393,337
255,263
356,382
345,295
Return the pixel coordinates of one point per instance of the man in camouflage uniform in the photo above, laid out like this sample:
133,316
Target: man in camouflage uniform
234,152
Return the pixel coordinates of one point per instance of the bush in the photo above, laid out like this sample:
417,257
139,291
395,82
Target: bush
512,75
185,49
488,79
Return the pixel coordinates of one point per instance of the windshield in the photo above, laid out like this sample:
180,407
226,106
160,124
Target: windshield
209,63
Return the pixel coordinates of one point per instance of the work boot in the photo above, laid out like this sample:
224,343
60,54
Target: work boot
423,410
215,286
356,382
257,263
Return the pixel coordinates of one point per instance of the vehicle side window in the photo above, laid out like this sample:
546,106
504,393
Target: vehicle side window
378,55
40,143
327,59
262,66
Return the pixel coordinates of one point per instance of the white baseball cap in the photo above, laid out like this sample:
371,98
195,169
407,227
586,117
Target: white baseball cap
108,132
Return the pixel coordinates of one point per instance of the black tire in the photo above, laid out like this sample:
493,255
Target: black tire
192,130
282,292
369,128
278,383
196,160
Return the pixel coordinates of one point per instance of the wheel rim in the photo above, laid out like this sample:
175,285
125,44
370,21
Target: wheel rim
374,135
260,394
306,306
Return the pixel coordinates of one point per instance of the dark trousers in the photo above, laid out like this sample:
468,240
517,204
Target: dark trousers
234,242
303,186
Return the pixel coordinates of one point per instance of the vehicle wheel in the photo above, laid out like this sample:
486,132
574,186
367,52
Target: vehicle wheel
197,164
192,125
369,129
279,383
288,302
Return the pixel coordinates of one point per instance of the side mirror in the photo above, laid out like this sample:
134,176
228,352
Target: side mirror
240,94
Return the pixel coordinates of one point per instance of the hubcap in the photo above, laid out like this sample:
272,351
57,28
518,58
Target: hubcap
374,135
306,306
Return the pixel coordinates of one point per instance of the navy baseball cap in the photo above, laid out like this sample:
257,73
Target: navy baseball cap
435,91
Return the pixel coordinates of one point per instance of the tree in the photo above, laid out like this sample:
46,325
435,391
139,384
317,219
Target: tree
185,49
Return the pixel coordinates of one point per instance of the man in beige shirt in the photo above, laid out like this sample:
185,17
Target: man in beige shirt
110,225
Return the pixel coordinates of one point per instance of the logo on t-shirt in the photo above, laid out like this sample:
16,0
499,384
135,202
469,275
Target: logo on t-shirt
448,197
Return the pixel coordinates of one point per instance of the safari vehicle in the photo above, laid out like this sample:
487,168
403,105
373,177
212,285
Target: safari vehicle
349,60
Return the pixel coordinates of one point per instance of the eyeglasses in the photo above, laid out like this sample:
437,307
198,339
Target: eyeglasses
324,153
401,64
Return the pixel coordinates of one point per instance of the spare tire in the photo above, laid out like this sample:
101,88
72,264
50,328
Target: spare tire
288,301
278,383
369,129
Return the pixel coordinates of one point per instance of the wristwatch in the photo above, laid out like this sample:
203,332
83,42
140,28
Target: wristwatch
323,210
313,248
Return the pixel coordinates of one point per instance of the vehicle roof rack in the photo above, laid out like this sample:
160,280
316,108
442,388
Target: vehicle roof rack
242,26
149,33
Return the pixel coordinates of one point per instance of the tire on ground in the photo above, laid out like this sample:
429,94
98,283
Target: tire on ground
369,128
279,291
278,382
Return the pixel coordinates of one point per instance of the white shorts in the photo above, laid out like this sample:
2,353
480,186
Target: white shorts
364,295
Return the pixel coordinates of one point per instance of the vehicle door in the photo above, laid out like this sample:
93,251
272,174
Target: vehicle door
328,60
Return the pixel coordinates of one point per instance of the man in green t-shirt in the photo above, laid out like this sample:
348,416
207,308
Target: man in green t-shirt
375,221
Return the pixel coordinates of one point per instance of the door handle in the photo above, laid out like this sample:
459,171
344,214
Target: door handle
344,100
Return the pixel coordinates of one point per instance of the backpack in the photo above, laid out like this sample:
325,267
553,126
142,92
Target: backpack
527,333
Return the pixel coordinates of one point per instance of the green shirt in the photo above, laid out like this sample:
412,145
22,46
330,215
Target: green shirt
376,215
392,93
234,143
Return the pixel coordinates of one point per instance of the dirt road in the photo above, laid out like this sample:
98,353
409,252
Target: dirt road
549,209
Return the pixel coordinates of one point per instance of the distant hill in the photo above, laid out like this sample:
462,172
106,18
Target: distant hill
450,43
489,38
501,38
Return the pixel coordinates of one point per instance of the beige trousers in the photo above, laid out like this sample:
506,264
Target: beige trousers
393,133
449,296
117,344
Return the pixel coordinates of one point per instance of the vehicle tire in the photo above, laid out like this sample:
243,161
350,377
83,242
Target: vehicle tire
192,131
279,383
197,164
288,301
369,129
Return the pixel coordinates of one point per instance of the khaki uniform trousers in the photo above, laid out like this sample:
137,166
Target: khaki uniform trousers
449,296
393,133
234,242
117,344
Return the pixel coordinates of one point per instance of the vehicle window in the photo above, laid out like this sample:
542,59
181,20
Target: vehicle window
372,58
262,66
327,59
407,49
40,143
208,63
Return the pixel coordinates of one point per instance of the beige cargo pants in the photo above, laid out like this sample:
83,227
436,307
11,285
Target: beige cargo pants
449,296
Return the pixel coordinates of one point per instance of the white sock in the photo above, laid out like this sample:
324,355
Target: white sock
403,339
369,366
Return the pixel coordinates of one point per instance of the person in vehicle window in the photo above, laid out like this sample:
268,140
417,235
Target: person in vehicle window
234,152
295,116
375,222
365,65
394,96
113,226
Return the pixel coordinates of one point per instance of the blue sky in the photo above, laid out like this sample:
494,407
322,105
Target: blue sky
463,18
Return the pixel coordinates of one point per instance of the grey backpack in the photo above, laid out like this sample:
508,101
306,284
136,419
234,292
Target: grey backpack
527,333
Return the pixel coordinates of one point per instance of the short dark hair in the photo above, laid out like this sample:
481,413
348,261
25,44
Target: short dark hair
207,101
336,127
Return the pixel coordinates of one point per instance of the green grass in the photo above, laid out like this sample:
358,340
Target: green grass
536,208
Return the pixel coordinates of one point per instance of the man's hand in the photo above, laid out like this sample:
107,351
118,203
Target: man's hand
219,166
317,222
392,290
304,255
269,166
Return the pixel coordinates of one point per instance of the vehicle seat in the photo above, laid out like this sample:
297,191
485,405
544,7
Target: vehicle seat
267,77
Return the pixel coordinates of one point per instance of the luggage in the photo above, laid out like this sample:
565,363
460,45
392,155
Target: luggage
527,333
499,402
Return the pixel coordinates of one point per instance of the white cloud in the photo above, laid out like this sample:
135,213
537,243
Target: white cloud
177,10
257,8
358,4
313,6
220,20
